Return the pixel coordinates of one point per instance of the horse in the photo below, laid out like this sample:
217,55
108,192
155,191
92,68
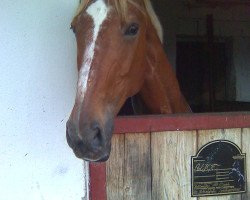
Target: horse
119,55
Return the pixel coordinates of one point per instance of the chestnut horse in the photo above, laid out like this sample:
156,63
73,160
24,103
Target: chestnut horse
119,55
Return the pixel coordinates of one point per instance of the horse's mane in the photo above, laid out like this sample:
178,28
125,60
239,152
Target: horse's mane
121,7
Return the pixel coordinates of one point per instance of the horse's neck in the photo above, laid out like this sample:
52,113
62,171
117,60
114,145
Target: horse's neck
160,92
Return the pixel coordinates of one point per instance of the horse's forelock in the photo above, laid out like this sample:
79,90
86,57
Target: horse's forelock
121,8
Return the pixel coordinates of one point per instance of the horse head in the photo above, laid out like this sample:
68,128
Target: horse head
115,52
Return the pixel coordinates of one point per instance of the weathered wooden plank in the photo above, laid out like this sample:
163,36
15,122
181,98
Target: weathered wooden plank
129,167
171,160
206,136
246,149
115,169
137,167
233,135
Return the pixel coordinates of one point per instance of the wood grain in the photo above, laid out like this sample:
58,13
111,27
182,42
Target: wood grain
246,149
115,169
233,135
137,167
157,166
171,161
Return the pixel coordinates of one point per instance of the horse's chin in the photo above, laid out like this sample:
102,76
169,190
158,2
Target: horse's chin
89,157
102,159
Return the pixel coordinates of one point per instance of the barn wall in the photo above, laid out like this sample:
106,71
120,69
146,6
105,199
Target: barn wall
37,89
232,22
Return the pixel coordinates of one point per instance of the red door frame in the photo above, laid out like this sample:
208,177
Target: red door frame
146,124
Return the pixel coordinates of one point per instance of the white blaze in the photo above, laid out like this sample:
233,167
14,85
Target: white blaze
98,12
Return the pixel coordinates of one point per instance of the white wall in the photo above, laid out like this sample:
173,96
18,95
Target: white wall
37,88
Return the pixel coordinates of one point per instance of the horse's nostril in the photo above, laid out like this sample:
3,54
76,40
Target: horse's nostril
79,142
90,137
97,138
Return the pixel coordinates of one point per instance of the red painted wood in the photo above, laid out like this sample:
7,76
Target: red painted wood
173,122
97,172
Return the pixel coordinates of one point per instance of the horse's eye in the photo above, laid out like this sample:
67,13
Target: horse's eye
132,29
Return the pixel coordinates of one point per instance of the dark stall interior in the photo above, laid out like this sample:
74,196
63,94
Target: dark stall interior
211,48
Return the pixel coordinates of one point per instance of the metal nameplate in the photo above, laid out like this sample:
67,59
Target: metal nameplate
219,168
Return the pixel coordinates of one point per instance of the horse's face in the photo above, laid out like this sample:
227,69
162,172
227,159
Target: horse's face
111,67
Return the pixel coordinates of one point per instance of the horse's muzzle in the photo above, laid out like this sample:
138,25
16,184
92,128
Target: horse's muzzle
92,143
